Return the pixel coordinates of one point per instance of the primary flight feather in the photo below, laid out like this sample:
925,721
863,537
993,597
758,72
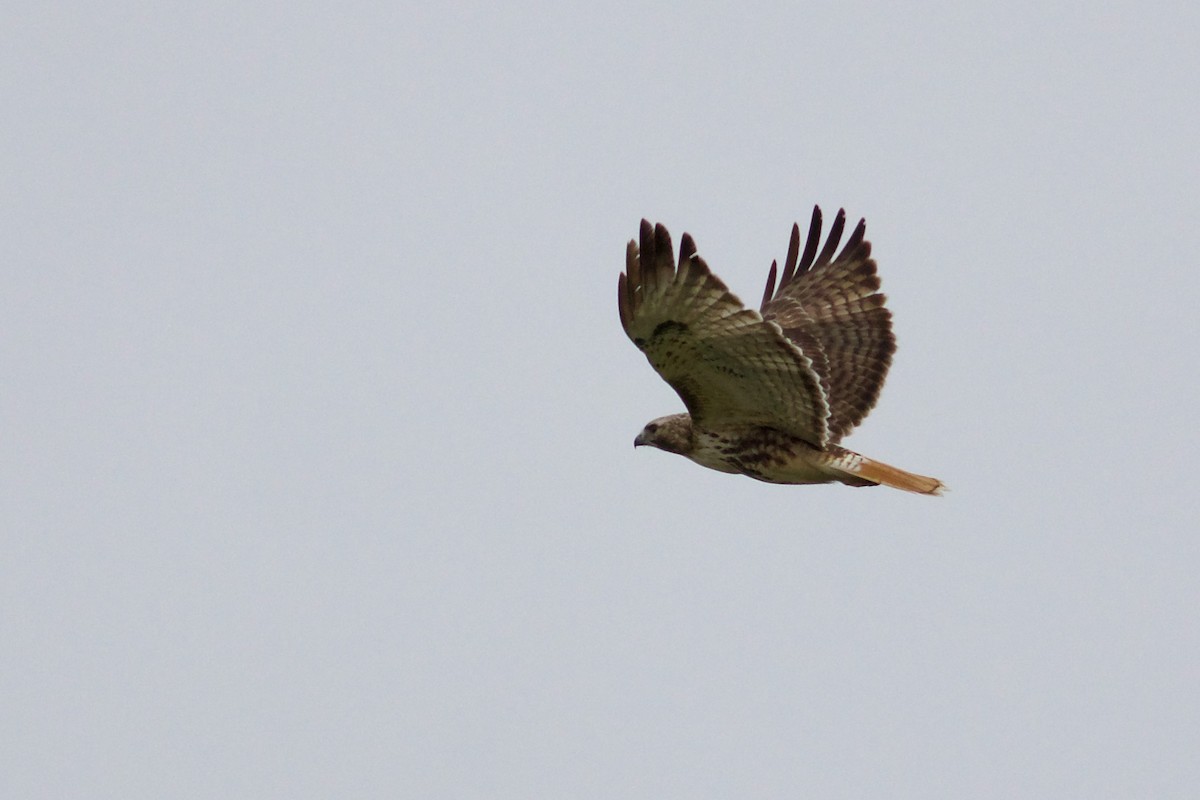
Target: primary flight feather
769,393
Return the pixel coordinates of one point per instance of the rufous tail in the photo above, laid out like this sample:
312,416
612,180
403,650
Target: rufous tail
887,475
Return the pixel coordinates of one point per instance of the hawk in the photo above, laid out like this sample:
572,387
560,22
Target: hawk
769,393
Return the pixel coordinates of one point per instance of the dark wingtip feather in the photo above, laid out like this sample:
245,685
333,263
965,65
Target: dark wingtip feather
835,236
649,257
662,242
811,244
687,248
646,238
855,243
789,263
770,290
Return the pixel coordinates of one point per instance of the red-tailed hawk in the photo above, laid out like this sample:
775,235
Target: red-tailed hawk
769,393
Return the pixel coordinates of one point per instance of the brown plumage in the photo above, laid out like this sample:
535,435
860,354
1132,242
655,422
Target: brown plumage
769,393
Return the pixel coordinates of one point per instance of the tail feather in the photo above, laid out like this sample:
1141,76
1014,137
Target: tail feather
879,473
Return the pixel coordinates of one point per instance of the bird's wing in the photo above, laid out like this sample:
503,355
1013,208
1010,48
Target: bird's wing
836,303
727,364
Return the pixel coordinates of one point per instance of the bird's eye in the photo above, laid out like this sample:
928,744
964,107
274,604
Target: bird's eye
651,428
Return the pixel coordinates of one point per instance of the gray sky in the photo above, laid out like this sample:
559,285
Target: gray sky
317,476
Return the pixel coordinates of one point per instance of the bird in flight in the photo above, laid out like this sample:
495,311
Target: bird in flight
769,393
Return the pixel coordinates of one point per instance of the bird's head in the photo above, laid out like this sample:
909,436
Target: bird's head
673,434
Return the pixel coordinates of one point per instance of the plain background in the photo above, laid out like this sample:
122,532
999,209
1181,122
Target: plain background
316,476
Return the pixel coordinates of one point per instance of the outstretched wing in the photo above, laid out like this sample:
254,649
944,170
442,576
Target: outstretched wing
836,303
724,360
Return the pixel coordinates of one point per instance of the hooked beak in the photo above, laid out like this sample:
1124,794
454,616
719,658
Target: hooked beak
639,441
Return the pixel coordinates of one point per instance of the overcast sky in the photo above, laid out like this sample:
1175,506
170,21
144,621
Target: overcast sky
316,474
